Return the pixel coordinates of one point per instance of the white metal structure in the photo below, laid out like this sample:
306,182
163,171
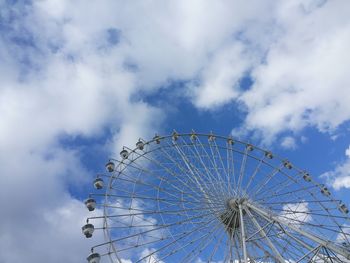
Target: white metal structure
208,198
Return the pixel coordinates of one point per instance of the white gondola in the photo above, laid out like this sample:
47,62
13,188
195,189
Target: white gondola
307,177
230,141
211,138
110,166
156,138
124,154
88,229
250,147
345,244
98,183
193,136
94,258
140,145
175,136
287,164
269,155
90,204
325,191
342,208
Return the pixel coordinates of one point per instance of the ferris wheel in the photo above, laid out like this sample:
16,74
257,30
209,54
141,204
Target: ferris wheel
206,198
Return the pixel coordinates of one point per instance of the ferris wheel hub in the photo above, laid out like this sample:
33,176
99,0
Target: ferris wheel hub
234,202
230,218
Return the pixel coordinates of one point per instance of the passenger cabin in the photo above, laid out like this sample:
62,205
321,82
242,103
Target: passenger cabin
94,258
156,138
98,183
342,208
250,147
307,177
90,204
325,191
140,145
88,229
110,166
230,141
124,154
175,136
287,164
268,155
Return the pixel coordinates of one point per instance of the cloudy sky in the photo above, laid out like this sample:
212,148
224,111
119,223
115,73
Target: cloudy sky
80,79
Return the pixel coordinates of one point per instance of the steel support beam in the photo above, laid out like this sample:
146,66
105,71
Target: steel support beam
278,256
325,243
244,247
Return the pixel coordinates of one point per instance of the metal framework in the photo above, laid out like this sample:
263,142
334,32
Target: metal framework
207,198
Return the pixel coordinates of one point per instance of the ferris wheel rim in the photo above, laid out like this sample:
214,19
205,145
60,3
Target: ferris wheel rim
125,162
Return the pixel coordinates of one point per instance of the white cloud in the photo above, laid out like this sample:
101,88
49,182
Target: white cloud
343,180
339,177
304,139
67,86
176,38
288,142
152,258
201,261
347,152
296,213
219,81
46,234
168,40
142,121
304,79
343,237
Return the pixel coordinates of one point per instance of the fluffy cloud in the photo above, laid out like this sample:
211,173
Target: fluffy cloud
219,81
303,80
177,39
347,152
152,259
58,80
201,261
296,213
40,233
340,176
288,142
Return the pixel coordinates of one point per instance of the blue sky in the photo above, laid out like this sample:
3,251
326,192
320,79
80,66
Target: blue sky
78,81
